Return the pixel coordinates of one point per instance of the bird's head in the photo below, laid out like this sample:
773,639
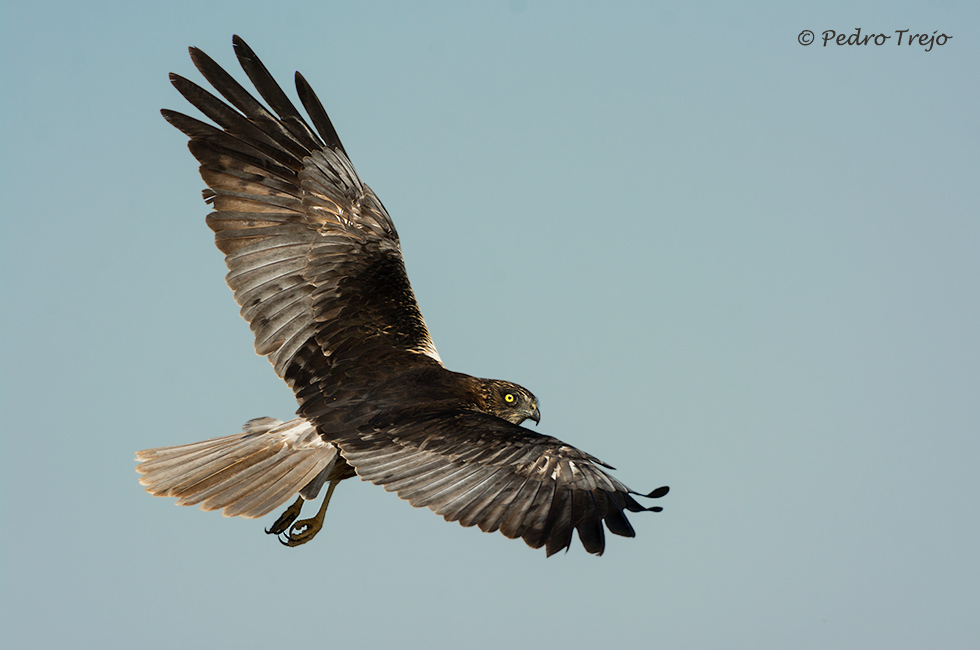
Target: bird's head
511,402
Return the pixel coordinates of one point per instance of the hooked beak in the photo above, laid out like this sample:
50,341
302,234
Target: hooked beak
535,415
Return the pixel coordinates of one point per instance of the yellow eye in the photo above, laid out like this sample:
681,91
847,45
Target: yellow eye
509,398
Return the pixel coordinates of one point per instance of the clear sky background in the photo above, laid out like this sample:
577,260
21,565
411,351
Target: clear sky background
724,261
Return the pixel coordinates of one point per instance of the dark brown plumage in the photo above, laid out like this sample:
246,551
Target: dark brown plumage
315,263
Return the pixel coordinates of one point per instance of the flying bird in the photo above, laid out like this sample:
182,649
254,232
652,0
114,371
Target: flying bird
315,263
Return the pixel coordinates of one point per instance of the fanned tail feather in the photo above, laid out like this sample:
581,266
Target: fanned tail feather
247,474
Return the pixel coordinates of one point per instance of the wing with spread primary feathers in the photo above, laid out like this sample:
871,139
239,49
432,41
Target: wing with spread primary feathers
477,469
314,259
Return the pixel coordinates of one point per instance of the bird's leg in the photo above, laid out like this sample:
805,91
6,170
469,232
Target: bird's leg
286,518
306,529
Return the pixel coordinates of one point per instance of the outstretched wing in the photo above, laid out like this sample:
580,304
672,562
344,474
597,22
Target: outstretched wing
477,469
313,256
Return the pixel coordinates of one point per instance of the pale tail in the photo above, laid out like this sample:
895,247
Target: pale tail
247,474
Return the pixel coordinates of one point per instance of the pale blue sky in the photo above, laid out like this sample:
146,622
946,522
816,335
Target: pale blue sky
724,261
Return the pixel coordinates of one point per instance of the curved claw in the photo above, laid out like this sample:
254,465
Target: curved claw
302,531
294,533
286,519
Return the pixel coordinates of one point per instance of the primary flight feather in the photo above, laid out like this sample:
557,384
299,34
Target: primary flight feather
315,263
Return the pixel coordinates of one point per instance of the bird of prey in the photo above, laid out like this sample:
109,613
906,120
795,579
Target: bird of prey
315,263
